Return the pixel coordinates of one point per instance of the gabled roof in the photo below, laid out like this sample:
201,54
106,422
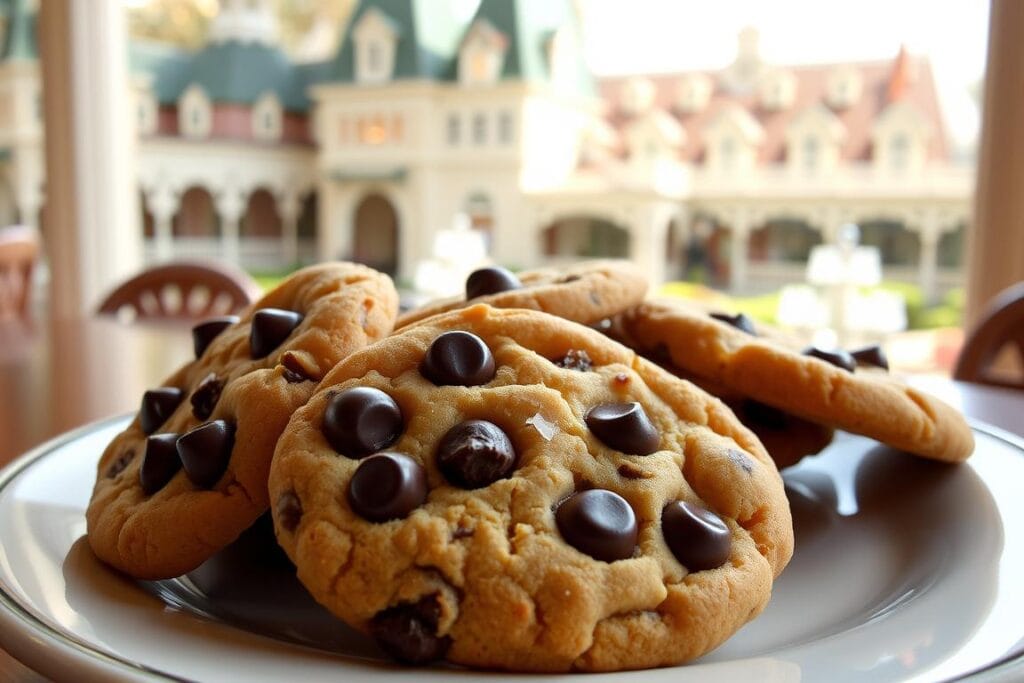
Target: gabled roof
812,80
230,71
529,26
427,31
19,41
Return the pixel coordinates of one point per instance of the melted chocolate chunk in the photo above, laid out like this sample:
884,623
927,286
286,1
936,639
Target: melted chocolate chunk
270,327
458,358
871,355
122,462
697,537
624,427
490,281
204,398
475,453
575,359
387,486
205,452
408,632
361,421
294,370
599,523
160,462
763,414
740,321
837,357
289,510
628,470
157,406
208,330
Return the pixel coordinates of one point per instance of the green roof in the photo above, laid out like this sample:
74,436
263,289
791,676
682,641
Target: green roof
19,40
530,26
167,65
428,32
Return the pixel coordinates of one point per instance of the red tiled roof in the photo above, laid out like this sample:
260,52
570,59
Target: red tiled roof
913,83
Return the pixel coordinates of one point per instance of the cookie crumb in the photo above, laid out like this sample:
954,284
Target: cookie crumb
544,428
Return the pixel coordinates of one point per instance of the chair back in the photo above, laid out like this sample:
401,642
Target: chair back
1001,325
181,291
19,252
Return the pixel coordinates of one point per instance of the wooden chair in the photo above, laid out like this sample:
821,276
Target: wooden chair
19,251
1002,324
181,291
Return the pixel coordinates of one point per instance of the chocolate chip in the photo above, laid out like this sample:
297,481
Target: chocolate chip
575,359
270,327
361,421
569,278
462,532
122,462
490,281
740,321
387,486
295,370
289,510
208,330
628,470
205,452
837,357
599,523
408,632
475,453
204,398
871,355
763,415
697,537
160,462
157,406
624,427
458,358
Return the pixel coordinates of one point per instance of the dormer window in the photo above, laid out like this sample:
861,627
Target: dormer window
814,140
900,139
375,39
899,152
195,117
844,87
811,153
727,153
777,90
267,118
482,54
146,113
692,93
733,138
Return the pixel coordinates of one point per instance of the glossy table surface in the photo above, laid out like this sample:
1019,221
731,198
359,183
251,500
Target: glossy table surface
61,374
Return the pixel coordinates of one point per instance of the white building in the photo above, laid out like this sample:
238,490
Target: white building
422,115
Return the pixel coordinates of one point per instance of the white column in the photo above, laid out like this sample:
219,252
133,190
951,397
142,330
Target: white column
92,218
289,207
929,266
162,205
739,251
230,207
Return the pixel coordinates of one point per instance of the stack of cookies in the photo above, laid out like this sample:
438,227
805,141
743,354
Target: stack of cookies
549,474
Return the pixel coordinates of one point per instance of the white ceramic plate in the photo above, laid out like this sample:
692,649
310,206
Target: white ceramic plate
904,569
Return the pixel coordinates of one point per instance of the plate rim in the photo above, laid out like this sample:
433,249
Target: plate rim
19,643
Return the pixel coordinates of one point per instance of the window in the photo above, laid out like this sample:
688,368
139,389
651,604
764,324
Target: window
267,118
899,152
811,153
375,39
479,129
505,132
727,151
454,129
373,57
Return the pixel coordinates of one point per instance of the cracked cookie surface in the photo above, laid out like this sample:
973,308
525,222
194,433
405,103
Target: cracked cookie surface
189,474
585,292
833,388
517,491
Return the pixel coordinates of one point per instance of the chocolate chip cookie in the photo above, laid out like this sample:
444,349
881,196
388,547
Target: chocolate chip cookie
835,388
511,490
189,474
585,292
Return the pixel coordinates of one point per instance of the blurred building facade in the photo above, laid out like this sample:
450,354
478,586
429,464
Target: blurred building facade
422,114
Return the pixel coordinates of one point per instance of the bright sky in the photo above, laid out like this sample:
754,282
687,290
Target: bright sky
647,36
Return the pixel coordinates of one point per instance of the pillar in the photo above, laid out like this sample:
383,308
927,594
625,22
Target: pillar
92,220
289,207
996,240
162,204
230,207
739,251
928,268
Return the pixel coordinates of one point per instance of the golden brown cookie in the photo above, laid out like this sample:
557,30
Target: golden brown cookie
190,472
585,292
787,438
511,490
837,389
